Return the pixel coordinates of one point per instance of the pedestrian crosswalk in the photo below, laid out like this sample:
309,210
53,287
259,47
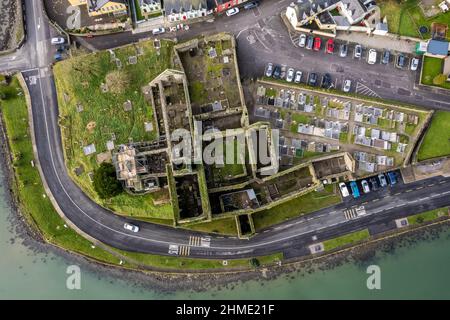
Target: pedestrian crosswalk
184,251
199,241
353,213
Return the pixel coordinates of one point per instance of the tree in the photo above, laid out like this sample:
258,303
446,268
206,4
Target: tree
105,181
255,263
439,79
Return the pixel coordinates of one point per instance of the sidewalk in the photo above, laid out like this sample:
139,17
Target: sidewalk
391,41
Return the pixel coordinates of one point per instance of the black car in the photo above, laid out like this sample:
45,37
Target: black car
386,57
312,79
251,5
374,183
309,42
401,60
326,81
277,72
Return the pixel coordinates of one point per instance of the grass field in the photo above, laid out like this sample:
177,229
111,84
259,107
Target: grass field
310,202
431,68
346,239
225,226
437,139
427,216
81,82
406,17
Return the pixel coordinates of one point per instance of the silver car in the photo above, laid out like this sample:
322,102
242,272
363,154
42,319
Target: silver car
414,64
290,75
269,70
347,85
298,76
358,51
131,227
302,40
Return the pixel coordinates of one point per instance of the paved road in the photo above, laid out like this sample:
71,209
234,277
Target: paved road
291,237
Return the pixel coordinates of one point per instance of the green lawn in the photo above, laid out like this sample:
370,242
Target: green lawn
79,82
232,168
427,216
431,68
437,139
297,118
310,202
225,226
346,239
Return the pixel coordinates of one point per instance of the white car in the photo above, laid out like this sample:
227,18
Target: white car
158,31
232,11
372,57
302,40
58,40
269,70
298,77
347,86
344,190
131,227
365,186
290,75
414,64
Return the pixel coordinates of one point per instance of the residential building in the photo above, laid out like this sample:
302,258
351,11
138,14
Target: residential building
182,10
224,5
101,7
150,7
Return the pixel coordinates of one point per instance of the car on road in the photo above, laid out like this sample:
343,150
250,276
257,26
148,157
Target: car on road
290,75
58,40
131,227
386,57
344,190
355,190
309,42
382,178
374,183
277,72
358,51
365,186
401,60
298,76
58,56
414,64
269,69
343,50
347,85
251,5
317,43
312,79
392,176
372,56
61,49
326,81
232,12
330,46
159,30
302,40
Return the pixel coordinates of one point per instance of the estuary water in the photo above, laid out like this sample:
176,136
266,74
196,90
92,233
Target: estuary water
417,269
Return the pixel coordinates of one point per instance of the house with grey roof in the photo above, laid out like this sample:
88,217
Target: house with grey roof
182,10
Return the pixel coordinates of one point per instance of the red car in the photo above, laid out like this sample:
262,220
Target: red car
317,43
330,46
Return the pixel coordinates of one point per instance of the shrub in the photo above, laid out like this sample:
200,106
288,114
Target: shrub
105,182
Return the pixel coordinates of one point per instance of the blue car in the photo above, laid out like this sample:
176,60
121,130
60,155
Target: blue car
355,190
392,178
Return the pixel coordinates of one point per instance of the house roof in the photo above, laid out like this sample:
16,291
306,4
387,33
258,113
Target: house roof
178,6
96,5
438,47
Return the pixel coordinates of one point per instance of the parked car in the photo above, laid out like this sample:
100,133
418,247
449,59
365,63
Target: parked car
326,81
131,227
365,186
298,77
58,56
302,40
317,43
382,178
330,46
347,86
309,42
343,50
61,49
392,176
414,64
358,51
269,70
232,12
355,190
277,72
372,56
159,30
312,79
374,183
386,57
290,75
401,60
251,5
58,40
344,190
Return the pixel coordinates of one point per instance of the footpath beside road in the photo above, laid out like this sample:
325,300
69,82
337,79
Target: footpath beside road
392,41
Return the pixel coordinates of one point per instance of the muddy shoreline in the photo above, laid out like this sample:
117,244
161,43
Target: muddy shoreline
170,283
